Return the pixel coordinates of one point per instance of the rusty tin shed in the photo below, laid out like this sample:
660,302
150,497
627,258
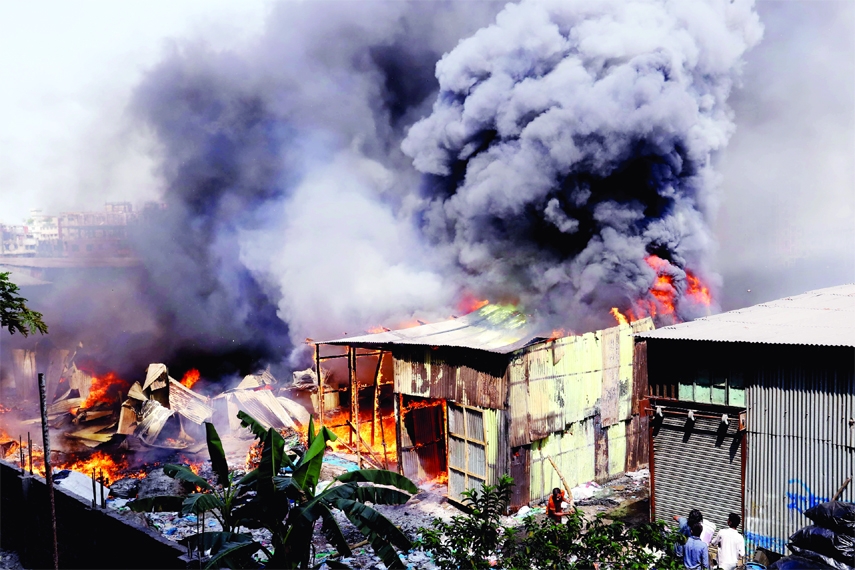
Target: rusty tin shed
753,411
479,396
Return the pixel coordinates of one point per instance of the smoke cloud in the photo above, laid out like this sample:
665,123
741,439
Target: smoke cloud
372,163
571,140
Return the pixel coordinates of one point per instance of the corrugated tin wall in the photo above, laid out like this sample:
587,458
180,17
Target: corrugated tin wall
801,439
465,376
554,384
572,400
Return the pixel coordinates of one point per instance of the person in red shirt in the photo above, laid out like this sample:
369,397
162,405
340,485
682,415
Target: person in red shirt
553,506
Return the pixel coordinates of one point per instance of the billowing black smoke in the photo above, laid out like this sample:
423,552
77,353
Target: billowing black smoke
570,141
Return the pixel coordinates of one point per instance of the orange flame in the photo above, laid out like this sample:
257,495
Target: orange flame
99,391
337,423
190,378
621,320
469,303
666,291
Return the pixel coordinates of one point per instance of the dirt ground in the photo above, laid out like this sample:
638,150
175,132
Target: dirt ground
624,498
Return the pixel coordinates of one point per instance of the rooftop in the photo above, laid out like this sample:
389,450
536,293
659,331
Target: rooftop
493,328
824,317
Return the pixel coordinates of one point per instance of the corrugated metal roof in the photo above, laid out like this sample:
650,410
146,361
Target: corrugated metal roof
824,317
494,328
188,403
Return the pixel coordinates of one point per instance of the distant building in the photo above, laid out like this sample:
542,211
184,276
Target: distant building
103,234
44,230
17,240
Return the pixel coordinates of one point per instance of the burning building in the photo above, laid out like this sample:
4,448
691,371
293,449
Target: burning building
477,397
753,411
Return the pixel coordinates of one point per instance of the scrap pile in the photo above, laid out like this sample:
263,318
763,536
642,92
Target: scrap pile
828,543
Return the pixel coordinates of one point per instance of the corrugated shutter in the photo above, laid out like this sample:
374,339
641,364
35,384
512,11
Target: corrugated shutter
697,467
467,450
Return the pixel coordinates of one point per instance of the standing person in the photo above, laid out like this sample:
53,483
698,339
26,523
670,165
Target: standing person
731,545
553,508
696,553
686,524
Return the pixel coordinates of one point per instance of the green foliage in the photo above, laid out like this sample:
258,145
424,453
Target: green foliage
292,525
469,541
478,540
14,313
282,496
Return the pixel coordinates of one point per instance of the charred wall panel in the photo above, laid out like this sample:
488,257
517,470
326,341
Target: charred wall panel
422,440
520,471
470,377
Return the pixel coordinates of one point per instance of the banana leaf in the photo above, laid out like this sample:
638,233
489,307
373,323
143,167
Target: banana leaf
160,503
231,553
379,477
214,541
309,467
379,531
218,456
185,474
333,532
198,503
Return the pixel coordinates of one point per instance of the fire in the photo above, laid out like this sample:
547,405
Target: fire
190,378
469,303
337,423
697,291
667,291
101,463
100,392
441,479
621,320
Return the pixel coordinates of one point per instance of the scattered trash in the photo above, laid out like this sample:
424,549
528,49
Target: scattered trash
585,491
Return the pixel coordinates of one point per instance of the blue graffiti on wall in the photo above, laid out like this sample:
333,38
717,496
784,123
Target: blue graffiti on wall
767,542
802,501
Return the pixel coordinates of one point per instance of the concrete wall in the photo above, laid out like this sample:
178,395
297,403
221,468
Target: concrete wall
87,538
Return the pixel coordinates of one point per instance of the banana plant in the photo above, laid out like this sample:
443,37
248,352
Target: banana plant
289,504
219,498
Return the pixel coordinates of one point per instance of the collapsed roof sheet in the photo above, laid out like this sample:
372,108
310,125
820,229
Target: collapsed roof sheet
824,317
188,403
154,417
494,328
263,406
156,376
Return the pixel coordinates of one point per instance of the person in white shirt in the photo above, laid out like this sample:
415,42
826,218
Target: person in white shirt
731,545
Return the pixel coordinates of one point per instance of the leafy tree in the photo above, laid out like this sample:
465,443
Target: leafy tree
471,540
14,313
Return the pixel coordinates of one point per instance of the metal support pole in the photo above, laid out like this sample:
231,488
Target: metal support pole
94,492
376,397
320,384
101,480
354,387
48,469
21,453
30,449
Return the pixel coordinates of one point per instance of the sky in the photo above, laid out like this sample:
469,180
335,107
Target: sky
787,177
